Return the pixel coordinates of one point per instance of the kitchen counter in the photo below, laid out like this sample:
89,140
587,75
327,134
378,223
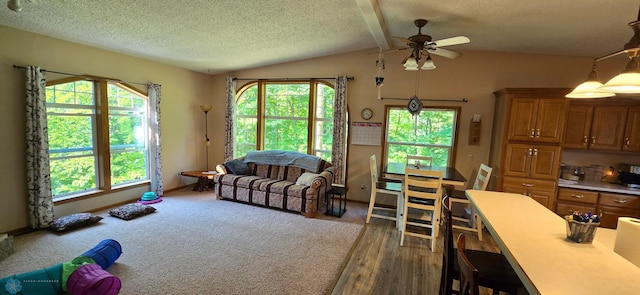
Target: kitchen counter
602,187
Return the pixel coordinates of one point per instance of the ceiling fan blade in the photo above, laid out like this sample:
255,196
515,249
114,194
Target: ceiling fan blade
445,53
404,40
452,41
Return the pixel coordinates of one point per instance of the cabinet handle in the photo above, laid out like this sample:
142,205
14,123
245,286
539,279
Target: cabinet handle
533,133
620,201
535,152
537,133
593,140
530,152
626,141
577,196
585,140
527,184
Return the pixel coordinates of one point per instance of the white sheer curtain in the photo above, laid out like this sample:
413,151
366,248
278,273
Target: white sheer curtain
339,146
40,197
155,149
230,112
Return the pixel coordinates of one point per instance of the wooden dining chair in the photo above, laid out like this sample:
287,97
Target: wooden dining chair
419,161
422,194
473,223
469,277
382,186
495,272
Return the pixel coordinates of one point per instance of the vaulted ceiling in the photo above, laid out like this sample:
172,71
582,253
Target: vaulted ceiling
227,35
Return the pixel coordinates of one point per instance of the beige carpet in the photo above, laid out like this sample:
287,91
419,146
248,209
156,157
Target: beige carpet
195,244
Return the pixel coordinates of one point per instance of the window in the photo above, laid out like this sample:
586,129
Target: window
431,133
296,116
90,152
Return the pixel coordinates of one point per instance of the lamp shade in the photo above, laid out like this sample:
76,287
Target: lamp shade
411,63
589,89
205,107
428,64
628,82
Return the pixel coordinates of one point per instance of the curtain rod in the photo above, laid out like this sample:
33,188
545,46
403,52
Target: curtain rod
287,78
427,99
77,75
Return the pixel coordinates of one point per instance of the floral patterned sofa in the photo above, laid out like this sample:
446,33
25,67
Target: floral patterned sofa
284,180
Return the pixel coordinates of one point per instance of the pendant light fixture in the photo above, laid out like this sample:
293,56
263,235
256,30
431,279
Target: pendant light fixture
627,82
590,87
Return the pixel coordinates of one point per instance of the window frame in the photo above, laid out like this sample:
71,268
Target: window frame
261,117
454,144
102,150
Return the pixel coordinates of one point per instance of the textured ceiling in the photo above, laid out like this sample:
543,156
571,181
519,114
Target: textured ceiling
227,35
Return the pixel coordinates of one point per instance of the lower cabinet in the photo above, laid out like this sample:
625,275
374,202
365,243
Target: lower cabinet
610,205
543,191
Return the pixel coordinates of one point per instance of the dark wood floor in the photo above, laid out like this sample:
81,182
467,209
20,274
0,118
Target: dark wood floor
378,265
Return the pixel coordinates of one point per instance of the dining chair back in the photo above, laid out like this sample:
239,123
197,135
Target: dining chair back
473,223
469,277
388,187
422,196
495,272
419,161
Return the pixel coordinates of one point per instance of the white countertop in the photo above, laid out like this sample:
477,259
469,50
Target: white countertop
533,239
602,186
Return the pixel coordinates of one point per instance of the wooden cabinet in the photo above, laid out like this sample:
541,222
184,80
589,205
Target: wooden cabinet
610,205
607,127
543,191
539,120
571,200
534,161
528,129
632,131
578,126
613,206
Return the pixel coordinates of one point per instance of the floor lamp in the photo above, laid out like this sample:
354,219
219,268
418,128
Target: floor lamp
206,108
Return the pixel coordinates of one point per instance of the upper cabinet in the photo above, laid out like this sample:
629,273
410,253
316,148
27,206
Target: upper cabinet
537,119
603,125
632,132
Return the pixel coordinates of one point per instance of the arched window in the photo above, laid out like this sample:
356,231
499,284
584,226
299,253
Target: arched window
98,136
285,115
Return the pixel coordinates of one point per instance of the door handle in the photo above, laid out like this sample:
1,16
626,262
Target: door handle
593,140
530,152
537,133
585,140
535,152
626,141
533,133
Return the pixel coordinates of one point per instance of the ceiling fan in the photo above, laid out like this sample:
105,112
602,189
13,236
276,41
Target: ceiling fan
423,45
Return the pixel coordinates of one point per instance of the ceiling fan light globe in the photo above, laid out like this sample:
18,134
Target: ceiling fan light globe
411,68
589,89
428,65
628,82
411,63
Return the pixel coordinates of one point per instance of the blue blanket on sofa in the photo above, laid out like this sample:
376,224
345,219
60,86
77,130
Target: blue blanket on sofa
285,158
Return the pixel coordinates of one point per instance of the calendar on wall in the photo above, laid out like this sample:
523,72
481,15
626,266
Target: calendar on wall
366,133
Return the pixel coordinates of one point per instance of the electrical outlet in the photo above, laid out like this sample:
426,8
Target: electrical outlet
363,186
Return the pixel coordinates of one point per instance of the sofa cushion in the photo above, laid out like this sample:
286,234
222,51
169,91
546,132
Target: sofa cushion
290,173
237,166
264,170
306,178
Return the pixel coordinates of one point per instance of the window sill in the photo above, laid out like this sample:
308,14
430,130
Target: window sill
97,193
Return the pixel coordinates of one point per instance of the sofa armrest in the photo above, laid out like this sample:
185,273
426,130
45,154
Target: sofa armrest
325,180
